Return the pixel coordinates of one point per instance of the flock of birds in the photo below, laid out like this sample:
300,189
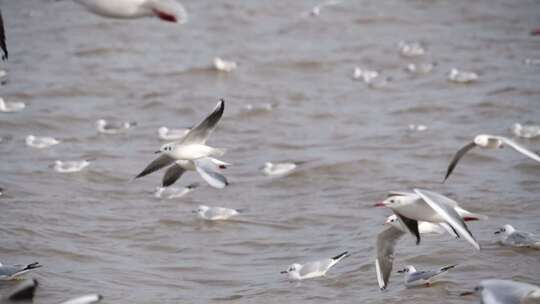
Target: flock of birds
418,212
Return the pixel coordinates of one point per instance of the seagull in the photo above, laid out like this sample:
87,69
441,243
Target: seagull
414,278
271,169
3,45
526,131
428,206
215,213
298,272
167,134
496,291
70,166
87,299
24,291
489,142
316,10
171,192
515,238
386,241
41,142
191,153
458,76
365,75
411,49
108,127
11,272
224,65
8,107
166,10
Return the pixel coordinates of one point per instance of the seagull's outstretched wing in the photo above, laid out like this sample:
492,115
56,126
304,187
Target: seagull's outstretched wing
459,154
448,213
3,38
162,161
172,175
207,170
386,240
200,133
521,149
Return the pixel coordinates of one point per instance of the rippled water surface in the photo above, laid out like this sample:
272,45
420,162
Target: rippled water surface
98,231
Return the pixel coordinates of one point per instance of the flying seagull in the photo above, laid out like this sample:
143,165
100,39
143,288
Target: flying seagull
489,142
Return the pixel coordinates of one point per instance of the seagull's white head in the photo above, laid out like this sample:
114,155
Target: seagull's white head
201,210
408,269
101,123
393,220
163,131
395,200
506,230
293,271
167,148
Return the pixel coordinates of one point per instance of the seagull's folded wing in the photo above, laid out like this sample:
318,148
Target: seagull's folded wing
448,213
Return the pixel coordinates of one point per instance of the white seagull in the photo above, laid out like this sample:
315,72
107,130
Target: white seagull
411,49
515,238
414,278
297,272
172,192
192,153
273,169
496,291
8,107
215,213
316,10
40,142
167,134
428,206
111,127
10,272
70,166
86,299
458,76
224,65
526,131
489,142
166,10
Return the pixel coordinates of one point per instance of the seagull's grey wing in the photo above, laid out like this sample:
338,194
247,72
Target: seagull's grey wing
172,175
310,267
162,161
206,169
3,38
521,149
10,270
449,214
459,154
422,275
519,238
200,133
386,240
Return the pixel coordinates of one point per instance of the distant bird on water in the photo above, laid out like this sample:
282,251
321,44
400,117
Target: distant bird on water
167,10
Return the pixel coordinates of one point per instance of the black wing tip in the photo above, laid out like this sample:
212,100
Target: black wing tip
33,265
446,268
343,254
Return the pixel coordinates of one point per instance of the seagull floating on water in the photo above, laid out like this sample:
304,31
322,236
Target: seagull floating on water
10,272
87,299
496,291
316,10
167,134
41,142
192,153
515,238
70,166
166,10
215,213
411,49
297,272
275,169
224,65
365,75
458,76
172,192
8,107
420,68
489,142
112,127
414,278
526,131
428,206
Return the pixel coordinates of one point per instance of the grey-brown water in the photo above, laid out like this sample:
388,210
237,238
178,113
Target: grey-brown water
98,231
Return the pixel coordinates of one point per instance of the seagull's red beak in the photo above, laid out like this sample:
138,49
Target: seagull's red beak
379,204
